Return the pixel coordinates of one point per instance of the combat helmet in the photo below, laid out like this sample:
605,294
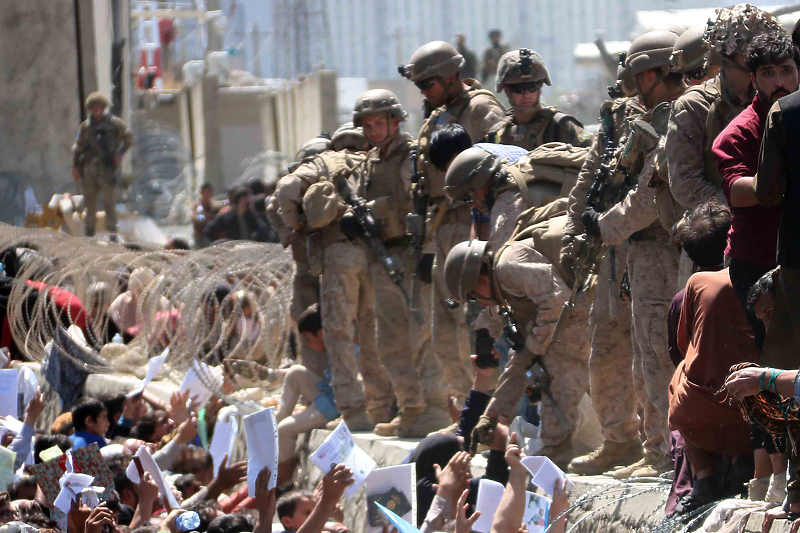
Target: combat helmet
377,102
733,30
462,268
437,58
97,98
649,51
690,50
348,136
521,66
471,169
315,146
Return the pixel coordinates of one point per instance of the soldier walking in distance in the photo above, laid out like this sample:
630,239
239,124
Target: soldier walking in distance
102,141
435,68
521,74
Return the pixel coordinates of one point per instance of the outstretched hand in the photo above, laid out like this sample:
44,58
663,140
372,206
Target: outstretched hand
464,524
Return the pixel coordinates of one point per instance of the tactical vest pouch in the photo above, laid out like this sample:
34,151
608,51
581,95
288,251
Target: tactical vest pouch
389,217
546,226
322,205
557,163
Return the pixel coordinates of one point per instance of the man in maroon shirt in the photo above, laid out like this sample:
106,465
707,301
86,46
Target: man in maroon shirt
752,240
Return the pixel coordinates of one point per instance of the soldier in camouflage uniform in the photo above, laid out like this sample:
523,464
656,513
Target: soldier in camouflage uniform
611,361
102,141
435,70
705,110
305,286
525,276
689,56
310,205
521,74
405,344
479,177
643,218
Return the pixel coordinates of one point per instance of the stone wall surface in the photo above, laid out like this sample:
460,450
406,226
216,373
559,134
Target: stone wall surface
39,98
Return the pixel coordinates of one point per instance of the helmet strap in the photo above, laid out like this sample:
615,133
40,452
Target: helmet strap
645,95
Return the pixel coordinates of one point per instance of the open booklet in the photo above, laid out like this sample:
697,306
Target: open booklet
340,448
537,508
394,487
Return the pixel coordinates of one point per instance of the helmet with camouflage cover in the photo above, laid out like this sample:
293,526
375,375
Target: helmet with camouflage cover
690,50
521,66
378,102
437,58
651,50
462,268
97,98
315,146
735,27
348,136
471,169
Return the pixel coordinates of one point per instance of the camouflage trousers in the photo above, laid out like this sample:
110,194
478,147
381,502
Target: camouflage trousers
347,303
449,327
567,362
97,180
653,272
611,360
305,293
405,345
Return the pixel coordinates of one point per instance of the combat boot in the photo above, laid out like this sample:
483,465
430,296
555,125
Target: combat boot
356,422
561,454
432,419
651,465
382,415
606,457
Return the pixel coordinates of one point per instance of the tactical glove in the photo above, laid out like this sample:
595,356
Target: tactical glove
483,433
591,224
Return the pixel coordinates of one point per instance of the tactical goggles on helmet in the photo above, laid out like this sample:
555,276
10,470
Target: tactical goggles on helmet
520,88
696,74
424,85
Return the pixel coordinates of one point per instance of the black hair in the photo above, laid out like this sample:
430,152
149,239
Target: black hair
287,504
121,479
765,284
704,234
310,320
230,523
147,425
796,34
114,405
45,442
16,488
191,460
238,193
179,243
257,186
206,185
183,481
207,511
447,143
86,407
771,48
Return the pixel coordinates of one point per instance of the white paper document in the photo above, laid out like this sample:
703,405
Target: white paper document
149,465
8,392
403,479
537,508
545,473
153,366
261,431
192,382
339,448
222,441
489,495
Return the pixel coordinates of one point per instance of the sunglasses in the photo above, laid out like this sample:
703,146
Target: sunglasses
519,88
696,74
467,198
424,85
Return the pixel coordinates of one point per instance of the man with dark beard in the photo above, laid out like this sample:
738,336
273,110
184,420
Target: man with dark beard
772,60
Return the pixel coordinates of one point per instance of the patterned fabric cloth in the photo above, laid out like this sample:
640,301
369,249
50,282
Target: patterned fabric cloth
63,369
504,151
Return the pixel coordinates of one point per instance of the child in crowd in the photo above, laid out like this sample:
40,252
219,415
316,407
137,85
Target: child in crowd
90,419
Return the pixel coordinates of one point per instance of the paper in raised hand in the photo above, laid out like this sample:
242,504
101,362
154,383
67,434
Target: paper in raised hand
261,431
340,448
545,473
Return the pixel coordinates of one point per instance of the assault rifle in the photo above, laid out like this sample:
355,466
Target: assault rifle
416,228
608,189
371,234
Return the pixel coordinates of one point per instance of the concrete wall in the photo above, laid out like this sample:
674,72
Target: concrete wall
40,100
240,128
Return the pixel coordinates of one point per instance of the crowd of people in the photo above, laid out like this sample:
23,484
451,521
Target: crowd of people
488,285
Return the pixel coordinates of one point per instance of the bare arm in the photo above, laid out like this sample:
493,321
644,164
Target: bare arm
333,485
